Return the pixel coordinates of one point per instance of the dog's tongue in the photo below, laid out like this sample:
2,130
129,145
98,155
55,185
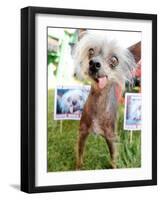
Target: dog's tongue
102,82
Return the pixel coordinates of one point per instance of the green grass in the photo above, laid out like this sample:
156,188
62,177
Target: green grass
62,145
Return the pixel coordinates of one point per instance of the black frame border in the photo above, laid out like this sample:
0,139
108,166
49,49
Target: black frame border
28,98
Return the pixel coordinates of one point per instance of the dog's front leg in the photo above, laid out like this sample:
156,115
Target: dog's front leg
83,133
110,138
113,152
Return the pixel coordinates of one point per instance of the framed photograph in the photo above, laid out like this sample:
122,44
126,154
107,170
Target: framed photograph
132,111
69,101
88,99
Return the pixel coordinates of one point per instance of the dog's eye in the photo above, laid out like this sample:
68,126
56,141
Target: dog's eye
113,62
81,98
91,52
69,99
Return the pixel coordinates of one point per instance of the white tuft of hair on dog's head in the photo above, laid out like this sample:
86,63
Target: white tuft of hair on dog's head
103,47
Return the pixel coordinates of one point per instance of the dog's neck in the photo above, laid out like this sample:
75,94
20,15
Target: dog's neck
99,101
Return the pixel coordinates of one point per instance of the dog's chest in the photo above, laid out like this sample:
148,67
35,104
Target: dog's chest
96,127
103,111
99,114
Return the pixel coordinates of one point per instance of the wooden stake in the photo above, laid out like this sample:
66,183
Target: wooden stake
61,126
131,133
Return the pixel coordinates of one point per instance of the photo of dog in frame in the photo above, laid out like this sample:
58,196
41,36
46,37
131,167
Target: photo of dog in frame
110,68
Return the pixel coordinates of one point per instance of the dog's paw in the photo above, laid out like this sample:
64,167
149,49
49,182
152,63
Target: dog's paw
78,166
113,165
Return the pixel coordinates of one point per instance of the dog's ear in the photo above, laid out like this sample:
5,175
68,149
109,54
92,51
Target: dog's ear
79,50
136,51
77,71
130,60
82,33
128,66
133,55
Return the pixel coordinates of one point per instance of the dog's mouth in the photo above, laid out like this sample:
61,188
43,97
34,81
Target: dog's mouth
101,81
74,108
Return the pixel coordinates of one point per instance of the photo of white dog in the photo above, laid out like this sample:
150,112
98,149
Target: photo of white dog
70,101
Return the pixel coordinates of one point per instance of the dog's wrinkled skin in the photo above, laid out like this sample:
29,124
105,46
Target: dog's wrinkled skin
106,65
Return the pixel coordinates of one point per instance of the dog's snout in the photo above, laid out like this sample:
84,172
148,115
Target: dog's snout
94,65
74,102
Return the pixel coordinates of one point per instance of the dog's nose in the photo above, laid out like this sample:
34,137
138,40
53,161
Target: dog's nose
94,65
74,102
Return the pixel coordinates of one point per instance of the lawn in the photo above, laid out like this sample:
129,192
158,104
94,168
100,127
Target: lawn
62,138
